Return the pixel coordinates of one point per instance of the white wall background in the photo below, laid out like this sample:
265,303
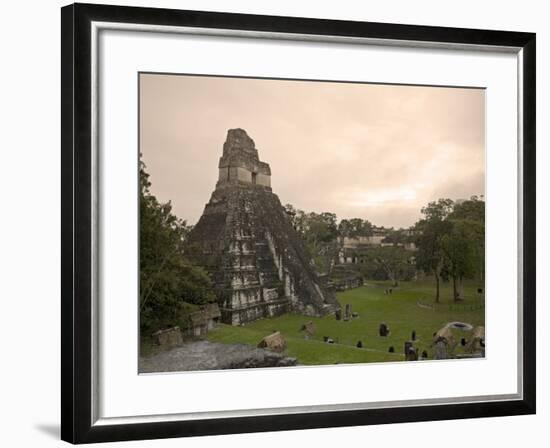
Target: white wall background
29,223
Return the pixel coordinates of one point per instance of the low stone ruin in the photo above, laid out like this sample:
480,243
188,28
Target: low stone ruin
412,354
309,329
202,321
444,341
347,312
441,350
274,342
170,337
344,277
477,341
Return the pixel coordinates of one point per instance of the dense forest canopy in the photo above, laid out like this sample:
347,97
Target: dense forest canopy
169,283
449,240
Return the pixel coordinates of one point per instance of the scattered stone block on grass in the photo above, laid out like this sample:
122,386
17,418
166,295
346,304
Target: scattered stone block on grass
383,329
170,337
274,342
309,329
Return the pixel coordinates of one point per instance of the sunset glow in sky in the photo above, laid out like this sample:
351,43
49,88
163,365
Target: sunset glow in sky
377,152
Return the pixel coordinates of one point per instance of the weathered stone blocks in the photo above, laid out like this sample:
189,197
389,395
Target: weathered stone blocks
258,262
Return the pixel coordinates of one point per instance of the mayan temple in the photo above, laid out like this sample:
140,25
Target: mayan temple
244,238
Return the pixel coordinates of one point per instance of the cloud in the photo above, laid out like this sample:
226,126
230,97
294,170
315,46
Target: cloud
378,152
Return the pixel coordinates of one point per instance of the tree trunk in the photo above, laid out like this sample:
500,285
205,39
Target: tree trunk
392,278
460,288
389,272
436,274
455,291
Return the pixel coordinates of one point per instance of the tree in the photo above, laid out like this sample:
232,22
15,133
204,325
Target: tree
319,232
438,210
394,260
464,246
297,218
457,247
450,241
472,209
354,227
320,227
430,233
168,281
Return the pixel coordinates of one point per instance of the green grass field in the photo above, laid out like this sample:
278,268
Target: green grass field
399,310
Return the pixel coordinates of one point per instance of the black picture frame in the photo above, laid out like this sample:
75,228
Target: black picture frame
76,222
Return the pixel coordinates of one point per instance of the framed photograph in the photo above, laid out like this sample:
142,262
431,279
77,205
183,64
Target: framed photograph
276,223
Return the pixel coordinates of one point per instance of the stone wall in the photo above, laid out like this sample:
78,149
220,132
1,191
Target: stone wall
170,337
343,278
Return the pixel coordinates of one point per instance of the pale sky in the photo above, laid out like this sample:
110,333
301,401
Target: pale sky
377,152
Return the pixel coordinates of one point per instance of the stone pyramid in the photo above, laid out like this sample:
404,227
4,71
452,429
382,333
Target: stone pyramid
244,238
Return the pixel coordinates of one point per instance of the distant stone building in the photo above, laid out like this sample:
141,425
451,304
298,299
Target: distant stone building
343,277
202,321
244,238
376,239
355,250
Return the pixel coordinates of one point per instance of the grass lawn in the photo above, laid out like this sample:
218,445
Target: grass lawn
399,310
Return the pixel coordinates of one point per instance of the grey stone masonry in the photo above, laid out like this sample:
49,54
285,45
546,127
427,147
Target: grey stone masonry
239,162
244,238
